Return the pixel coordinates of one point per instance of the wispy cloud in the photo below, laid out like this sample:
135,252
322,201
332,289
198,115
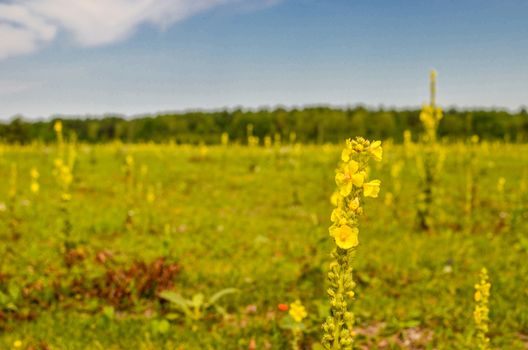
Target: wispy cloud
27,25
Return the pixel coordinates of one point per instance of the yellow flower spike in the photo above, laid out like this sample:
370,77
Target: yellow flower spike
350,179
297,311
346,237
372,188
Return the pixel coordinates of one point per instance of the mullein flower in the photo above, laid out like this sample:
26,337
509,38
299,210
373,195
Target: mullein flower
251,140
352,186
34,187
57,127
481,312
64,176
430,117
298,313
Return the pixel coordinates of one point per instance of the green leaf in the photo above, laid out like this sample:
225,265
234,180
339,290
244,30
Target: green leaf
177,300
221,294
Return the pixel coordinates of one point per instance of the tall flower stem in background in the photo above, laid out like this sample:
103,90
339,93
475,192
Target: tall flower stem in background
64,176
352,186
430,117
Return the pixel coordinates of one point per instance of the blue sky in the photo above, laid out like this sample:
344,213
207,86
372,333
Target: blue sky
174,55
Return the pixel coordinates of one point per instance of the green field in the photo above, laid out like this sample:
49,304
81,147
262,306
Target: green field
196,220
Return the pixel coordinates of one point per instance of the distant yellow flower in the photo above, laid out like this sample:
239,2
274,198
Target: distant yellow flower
376,151
17,344
346,237
500,184
151,197
372,188
129,160
35,187
58,127
34,180
34,173
297,311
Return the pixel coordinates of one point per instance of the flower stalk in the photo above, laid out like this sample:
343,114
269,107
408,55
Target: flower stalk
352,186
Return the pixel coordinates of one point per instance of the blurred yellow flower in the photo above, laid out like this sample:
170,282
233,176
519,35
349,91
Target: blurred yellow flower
297,311
58,127
17,344
376,151
34,173
35,187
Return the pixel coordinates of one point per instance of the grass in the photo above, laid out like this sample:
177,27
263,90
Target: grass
256,219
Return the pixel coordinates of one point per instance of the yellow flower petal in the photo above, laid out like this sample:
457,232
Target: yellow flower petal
376,151
345,189
358,179
345,155
372,188
352,167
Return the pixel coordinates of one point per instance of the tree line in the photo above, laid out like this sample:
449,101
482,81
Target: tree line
309,125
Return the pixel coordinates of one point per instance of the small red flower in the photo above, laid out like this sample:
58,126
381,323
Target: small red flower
283,307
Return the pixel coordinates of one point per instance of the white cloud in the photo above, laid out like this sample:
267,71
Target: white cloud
27,25
22,31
